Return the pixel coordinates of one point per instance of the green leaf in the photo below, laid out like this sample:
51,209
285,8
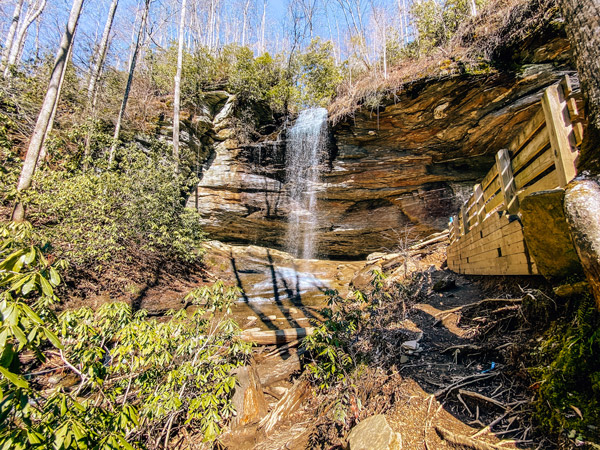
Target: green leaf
54,277
53,338
46,287
20,335
32,315
15,379
29,286
29,258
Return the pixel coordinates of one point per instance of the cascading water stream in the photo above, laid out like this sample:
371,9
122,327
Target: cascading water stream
305,147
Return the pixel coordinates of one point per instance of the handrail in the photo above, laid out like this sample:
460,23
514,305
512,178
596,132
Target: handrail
541,157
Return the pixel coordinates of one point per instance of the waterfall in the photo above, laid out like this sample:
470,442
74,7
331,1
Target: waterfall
305,147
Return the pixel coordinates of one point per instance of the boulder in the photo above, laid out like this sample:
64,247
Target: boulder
374,433
547,234
582,208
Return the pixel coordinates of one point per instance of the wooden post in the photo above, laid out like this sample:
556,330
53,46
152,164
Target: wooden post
560,130
574,115
507,181
454,233
479,203
464,229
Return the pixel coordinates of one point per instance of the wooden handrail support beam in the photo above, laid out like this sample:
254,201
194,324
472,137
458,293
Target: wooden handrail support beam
561,133
479,203
463,219
574,115
507,181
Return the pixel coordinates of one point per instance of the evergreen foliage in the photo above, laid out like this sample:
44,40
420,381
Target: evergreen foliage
136,377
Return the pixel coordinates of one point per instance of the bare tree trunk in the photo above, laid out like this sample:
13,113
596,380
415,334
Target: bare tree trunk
177,93
141,32
10,37
99,58
52,95
583,29
244,25
44,150
17,47
262,27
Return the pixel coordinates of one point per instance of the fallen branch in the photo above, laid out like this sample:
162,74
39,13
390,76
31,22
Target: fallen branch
435,240
470,347
482,398
479,303
464,382
276,337
465,441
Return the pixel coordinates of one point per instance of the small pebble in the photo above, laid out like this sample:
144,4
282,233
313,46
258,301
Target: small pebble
273,317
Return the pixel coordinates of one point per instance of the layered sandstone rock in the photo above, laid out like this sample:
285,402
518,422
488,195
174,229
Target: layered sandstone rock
389,175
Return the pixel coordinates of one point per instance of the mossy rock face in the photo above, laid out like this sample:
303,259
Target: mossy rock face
547,234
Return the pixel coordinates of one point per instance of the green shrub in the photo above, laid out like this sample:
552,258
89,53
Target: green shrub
95,217
137,379
329,345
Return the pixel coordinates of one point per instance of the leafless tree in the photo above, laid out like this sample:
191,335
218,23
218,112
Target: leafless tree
33,12
12,31
136,49
100,56
43,121
177,93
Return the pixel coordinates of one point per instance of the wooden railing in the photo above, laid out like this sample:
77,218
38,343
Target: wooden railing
541,157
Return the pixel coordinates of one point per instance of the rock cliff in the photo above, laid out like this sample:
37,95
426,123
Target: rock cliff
391,174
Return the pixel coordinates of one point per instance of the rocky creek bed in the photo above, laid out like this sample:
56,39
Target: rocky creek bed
443,362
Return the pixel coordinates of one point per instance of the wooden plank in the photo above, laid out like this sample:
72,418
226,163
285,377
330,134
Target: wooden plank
544,162
479,203
559,126
535,146
529,130
507,181
550,181
464,228
493,173
566,86
495,203
576,119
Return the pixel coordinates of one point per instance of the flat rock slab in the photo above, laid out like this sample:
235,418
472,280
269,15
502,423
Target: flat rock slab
374,433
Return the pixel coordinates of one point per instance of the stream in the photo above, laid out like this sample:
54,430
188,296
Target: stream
277,290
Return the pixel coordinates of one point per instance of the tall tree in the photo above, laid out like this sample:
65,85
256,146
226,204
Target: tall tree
177,94
52,95
44,149
10,37
100,56
140,35
33,12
